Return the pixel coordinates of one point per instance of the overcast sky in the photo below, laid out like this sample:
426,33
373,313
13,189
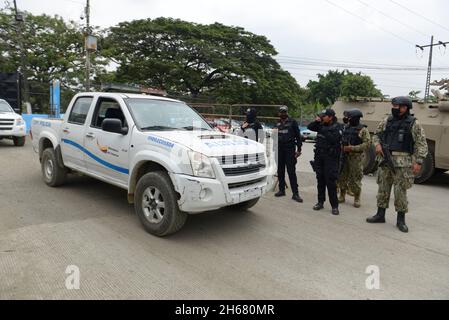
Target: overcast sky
308,35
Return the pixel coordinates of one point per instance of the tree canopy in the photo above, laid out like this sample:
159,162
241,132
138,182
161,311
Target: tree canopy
337,84
225,62
217,63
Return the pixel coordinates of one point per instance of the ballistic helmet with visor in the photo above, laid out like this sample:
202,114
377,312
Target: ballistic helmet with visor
402,101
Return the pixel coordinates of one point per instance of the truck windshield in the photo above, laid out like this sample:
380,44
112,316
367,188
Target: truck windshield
4,107
152,114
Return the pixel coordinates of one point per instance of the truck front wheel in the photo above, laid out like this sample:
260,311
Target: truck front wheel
19,141
156,204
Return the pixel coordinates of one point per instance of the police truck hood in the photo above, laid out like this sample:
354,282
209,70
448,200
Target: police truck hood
210,143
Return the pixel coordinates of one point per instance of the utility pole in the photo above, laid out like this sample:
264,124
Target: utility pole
18,18
429,68
85,45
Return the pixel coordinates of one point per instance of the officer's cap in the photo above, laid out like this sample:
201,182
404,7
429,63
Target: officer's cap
328,112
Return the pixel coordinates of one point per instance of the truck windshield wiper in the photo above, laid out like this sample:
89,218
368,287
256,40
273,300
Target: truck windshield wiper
158,128
195,128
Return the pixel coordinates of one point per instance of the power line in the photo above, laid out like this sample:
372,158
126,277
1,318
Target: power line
393,18
367,21
347,66
344,61
419,15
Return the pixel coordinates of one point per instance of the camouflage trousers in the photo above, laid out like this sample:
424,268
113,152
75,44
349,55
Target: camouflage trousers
402,180
350,178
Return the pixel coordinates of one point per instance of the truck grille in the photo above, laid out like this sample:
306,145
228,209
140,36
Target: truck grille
241,170
237,165
6,124
244,183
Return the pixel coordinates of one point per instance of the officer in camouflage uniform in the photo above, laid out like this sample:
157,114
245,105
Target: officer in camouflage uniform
404,137
356,139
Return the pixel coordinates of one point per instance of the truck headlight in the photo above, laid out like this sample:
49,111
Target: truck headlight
20,122
201,165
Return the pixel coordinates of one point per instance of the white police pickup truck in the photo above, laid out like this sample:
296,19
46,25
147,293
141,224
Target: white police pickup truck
160,150
12,125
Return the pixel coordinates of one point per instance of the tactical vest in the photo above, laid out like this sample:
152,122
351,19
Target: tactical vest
398,134
351,135
323,145
286,134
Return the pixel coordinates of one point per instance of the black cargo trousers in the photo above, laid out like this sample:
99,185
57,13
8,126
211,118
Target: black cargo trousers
286,158
326,170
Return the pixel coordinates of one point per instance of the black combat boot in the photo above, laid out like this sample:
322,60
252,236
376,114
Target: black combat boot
335,211
297,198
379,217
280,193
318,206
401,222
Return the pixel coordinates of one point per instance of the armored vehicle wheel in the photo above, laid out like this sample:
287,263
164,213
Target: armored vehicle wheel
369,161
427,170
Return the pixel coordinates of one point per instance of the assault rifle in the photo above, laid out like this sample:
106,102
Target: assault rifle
387,158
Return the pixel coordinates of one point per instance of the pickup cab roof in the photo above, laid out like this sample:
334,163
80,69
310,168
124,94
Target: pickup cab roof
125,95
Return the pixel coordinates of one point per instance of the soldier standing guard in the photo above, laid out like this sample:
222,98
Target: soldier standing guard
403,137
356,139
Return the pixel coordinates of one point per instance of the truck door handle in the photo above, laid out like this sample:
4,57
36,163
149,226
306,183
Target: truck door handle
65,130
90,135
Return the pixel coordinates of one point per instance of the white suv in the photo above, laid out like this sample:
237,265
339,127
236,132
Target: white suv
12,125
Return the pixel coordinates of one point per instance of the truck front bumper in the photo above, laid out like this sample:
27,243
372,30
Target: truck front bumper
16,131
203,194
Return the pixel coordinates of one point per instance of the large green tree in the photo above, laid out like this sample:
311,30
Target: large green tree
226,63
51,49
337,84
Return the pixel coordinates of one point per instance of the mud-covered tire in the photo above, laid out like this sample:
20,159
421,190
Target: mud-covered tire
369,161
243,206
53,174
427,169
19,141
155,220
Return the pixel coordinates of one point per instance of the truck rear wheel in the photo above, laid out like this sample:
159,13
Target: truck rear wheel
54,175
18,141
243,206
156,204
427,169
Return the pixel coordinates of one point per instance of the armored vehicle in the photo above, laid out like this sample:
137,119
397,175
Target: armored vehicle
434,117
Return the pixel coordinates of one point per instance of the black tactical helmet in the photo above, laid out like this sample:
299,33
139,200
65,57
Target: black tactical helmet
283,109
403,101
354,113
251,111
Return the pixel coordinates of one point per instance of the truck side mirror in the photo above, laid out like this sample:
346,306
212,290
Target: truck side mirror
113,125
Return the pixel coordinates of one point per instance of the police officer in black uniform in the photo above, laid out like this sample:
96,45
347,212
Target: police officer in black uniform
327,153
251,128
289,149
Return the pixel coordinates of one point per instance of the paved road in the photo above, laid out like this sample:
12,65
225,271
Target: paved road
278,250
